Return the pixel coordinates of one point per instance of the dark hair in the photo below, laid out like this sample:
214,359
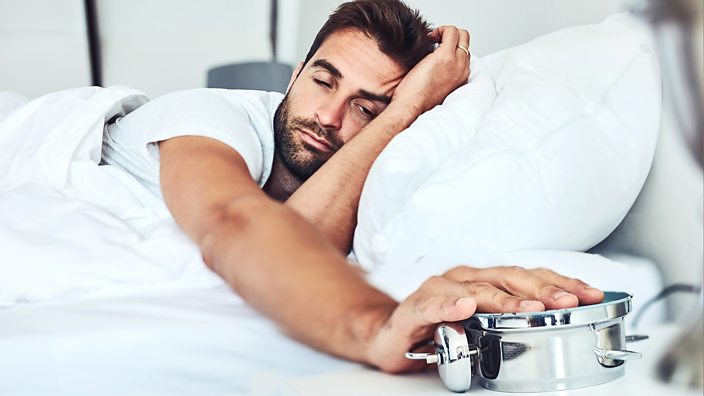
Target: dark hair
400,31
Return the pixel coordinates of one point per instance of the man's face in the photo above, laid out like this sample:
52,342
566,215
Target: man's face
342,88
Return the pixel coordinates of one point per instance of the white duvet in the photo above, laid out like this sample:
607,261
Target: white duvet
69,226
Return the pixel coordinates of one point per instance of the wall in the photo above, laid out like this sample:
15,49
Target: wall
42,46
154,45
493,24
164,45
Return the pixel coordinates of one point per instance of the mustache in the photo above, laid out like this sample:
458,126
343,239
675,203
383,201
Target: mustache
310,125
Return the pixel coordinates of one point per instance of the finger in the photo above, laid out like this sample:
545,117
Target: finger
465,54
522,283
490,298
585,293
438,309
463,38
447,36
435,35
441,300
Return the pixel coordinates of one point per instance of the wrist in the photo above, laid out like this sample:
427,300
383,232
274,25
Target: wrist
400,115
367,324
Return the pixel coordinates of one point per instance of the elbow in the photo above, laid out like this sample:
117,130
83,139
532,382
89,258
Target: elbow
227,230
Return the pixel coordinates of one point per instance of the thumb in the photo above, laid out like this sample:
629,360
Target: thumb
438,309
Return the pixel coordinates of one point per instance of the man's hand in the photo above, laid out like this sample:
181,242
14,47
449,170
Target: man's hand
461,292
438,74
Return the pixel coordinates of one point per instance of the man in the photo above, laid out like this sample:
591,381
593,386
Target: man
275,220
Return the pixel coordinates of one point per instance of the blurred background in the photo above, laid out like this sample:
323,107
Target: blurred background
159,46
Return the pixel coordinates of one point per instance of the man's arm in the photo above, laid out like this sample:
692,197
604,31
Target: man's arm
284,267
330,198
272,257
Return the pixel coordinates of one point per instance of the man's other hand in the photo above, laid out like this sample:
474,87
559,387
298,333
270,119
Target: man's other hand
462,291
438,74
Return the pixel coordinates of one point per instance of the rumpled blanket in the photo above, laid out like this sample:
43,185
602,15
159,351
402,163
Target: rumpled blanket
70,226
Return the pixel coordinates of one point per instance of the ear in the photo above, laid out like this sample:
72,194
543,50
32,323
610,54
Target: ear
294,75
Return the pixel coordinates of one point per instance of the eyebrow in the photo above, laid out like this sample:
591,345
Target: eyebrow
363,93
323,64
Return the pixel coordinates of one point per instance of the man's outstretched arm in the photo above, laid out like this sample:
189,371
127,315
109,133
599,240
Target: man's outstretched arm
284,267
270,255
329,199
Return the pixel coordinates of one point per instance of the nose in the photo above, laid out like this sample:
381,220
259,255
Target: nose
330,114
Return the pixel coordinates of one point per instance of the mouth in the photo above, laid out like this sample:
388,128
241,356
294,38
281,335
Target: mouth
315,141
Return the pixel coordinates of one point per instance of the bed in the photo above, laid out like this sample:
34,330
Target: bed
101,293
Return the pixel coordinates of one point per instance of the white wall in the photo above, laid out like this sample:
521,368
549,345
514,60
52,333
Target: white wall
164,45
42,46
154,45
493,24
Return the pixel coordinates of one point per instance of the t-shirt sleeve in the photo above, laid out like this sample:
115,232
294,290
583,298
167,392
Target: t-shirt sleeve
197,112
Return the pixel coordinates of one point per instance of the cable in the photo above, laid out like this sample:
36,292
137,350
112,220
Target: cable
674,288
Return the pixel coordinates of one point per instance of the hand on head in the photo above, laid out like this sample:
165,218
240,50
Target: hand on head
439,73
462,291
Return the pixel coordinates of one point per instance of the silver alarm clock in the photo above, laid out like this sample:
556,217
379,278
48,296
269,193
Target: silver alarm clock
535,351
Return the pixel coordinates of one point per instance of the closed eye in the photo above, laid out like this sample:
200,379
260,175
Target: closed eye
322,83
365,111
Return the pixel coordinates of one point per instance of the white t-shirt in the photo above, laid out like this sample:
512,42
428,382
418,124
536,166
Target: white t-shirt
239,118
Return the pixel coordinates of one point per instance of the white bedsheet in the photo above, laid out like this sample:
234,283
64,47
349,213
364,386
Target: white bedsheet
191,342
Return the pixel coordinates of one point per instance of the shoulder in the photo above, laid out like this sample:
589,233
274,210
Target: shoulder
203,107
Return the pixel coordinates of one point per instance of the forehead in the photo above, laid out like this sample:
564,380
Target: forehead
360,61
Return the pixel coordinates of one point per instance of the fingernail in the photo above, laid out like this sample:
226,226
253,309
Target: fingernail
559,295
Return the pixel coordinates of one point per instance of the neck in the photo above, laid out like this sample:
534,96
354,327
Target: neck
282,183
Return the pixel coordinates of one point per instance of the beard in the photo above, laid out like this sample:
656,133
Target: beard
300,158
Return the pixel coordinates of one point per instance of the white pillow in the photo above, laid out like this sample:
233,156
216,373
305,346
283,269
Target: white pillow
547,147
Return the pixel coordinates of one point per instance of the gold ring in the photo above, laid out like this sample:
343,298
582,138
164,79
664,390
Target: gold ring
463,49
